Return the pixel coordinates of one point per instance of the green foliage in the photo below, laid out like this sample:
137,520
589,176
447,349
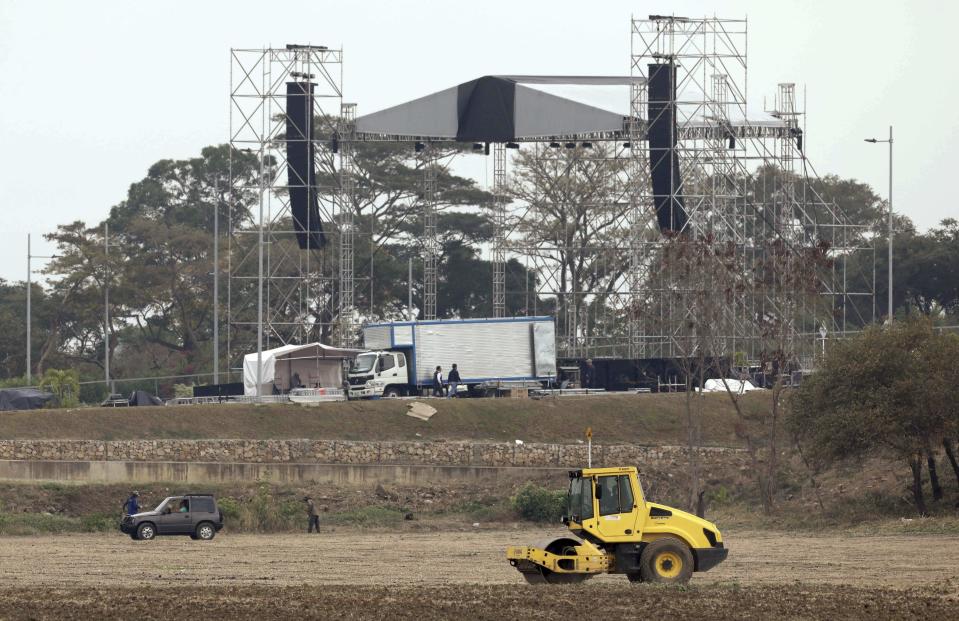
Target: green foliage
539,504
366,517
886,392
38,524
64,384
182,390
13,382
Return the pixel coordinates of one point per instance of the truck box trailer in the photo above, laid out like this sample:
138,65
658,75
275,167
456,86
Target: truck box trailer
403,355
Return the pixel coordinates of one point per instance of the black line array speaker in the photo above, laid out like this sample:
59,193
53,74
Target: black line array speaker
301,171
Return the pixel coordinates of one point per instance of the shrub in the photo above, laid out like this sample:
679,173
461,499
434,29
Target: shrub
182,390
539,504
65,386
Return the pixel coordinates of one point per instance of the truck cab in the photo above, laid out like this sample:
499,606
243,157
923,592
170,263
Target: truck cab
379,374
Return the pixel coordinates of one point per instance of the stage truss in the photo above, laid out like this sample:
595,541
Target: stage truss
278,293
749,192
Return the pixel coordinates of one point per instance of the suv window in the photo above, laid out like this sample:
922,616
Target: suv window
386,362
203,504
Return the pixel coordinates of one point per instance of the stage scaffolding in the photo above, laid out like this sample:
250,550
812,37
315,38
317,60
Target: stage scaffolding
279,293
751,199
754,215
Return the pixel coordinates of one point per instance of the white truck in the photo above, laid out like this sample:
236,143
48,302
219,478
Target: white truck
403,355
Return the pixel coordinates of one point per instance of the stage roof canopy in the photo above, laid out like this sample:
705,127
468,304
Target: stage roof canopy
498,108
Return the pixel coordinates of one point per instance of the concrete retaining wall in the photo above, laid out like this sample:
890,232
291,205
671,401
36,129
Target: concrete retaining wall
341,452
218,472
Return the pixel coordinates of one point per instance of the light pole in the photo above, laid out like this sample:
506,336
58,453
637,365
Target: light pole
889,140
216,286
29,295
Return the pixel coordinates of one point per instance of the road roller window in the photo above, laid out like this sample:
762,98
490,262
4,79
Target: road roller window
609,496
625,495
580,501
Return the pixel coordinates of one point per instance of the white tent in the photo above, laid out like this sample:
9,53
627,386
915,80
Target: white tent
315,364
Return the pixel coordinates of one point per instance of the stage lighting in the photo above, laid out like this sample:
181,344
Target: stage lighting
512,145
419,146
477,146
554,145
570,145
587,145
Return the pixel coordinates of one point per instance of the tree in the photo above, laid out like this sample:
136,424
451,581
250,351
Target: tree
573,225
880,394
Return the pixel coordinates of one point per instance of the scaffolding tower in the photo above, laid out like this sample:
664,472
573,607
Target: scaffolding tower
277,291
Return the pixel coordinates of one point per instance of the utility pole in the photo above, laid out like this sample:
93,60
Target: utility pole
29,342
889,140
409,289
106,307
216,286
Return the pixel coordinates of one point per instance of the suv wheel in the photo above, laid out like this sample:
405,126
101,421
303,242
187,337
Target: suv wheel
205,531
146,531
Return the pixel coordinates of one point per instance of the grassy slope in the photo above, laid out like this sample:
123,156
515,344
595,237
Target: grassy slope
615,419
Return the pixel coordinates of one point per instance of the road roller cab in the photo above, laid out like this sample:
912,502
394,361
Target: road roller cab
616,531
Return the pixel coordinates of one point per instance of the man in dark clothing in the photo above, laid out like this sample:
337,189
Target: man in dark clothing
132,505
454,380
438,382
314,516
589,374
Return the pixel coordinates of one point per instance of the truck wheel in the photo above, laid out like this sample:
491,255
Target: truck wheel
205,531
146,531
666,561
391,391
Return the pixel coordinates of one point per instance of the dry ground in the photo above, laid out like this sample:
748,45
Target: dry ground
462,575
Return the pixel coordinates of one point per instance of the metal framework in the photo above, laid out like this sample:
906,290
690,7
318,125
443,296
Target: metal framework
618,285
498,258
431,245
347,310
751,197
275,289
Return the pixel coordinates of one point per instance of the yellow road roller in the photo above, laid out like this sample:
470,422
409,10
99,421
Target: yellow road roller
615,531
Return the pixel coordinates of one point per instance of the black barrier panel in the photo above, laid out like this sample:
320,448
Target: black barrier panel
616,374
663,157
218,390
301,174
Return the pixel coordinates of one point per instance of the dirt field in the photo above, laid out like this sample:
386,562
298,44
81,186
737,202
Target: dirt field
461,575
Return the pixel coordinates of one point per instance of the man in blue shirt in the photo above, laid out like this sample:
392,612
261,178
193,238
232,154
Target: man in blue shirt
132,505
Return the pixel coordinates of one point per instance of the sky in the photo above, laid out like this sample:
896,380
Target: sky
93,93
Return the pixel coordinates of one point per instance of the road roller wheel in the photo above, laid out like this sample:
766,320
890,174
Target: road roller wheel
666,561
537,574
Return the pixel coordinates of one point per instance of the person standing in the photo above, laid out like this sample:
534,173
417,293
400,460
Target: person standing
314,516
438,382
454,380
132,505
589,374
